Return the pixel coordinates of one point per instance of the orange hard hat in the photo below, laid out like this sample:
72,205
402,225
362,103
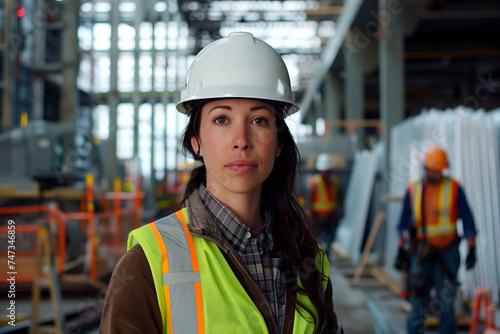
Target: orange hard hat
435,159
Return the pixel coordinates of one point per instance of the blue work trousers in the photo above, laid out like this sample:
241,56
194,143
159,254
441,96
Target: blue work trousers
424,276
326,230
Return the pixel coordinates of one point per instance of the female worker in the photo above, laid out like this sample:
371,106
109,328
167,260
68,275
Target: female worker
238,256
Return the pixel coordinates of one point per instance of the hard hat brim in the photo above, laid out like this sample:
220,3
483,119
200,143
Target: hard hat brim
242,92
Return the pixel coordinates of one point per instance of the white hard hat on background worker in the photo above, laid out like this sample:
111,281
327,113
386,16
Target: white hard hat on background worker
324,162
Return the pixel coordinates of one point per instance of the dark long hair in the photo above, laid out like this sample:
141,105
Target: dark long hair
294,241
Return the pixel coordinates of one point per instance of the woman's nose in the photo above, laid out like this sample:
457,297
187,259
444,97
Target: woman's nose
241,137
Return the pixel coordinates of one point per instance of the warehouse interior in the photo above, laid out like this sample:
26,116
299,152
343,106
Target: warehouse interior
89,137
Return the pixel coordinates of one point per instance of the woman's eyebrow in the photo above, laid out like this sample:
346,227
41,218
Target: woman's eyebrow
219,107
226,107
256,108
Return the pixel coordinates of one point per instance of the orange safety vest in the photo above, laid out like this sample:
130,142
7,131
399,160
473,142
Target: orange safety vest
440,224
325,195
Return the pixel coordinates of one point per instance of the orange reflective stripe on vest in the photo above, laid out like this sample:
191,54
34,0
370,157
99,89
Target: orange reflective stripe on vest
324,199
441,228
181,276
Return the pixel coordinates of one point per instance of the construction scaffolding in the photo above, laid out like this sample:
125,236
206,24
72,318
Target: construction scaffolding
86,244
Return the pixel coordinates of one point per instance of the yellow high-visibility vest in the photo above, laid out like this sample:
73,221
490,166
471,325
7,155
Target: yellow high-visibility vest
196,288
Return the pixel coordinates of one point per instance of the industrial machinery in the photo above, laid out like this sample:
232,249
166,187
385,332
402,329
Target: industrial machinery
52,154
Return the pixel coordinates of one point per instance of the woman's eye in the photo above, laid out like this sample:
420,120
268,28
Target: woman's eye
220,120
260,121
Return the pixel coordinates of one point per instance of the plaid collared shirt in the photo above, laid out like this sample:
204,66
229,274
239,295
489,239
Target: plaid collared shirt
255,250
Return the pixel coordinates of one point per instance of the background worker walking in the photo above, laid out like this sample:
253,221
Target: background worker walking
326,202
431,208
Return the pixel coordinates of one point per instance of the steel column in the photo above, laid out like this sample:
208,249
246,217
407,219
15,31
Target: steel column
71,61
332,101
354,93
152,179
330,52
38,91
391,76
137,101
113,99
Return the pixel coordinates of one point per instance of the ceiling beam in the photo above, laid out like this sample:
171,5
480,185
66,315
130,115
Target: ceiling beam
330,52
331,10
460,15
438,54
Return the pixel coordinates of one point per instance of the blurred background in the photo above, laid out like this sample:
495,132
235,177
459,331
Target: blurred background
89,136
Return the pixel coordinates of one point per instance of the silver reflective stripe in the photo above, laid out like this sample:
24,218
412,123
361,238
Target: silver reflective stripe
181,277
176,278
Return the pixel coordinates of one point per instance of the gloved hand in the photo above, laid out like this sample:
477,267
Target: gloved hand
402,260
470,261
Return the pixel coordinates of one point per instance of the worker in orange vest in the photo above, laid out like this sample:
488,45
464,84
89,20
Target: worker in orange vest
431,208
325,202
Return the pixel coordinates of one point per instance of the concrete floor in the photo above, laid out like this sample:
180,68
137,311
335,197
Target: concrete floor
369,305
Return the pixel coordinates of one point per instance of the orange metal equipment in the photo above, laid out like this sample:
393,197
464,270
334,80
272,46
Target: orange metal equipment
483,295
106,232
23,269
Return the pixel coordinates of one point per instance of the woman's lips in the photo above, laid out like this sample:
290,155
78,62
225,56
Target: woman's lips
241,166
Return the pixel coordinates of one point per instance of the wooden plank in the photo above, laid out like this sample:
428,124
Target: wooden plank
368,282
62,193
386,279
7,189
19,318
337,249
19,194
369,244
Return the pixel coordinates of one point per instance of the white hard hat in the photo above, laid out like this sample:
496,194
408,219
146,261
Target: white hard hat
324,162
238,66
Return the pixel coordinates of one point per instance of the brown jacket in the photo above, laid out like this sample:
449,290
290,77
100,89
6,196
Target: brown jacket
131,304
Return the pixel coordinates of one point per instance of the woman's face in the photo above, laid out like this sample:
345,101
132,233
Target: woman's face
238,142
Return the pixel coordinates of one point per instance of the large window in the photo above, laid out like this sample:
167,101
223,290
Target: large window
160,66
145,119
146,72
100,116
125,131
146,36
126,63
160,37
159,140
102,37
176,124
126,37
101,79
